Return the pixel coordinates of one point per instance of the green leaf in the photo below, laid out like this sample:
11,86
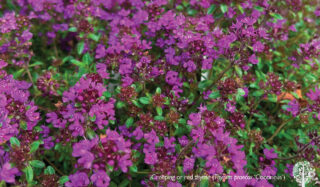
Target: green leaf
241,9
2,183
23,125
129,122
37,164
179,7
77,63
134,168
72,29
112,184
14,142
211,9
94,37
159,110
259,8
93,118
276,16
34,146
10,5
192,12
29,174
258,93
224,8
204,182
182,121
63,180
273,98
120,104
185,3
204,84
241,92
159,118
295,95
191,98
144,100
90,133
49,171
136,103
124,183
251,148
37,63
87,58
214,95
186,84
80,47
238,70
107,94
18,73
158,90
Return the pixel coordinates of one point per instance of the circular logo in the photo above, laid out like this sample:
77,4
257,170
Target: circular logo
303,173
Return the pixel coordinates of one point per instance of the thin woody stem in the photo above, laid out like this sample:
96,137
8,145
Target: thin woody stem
215,81
60,172
279,129
299,151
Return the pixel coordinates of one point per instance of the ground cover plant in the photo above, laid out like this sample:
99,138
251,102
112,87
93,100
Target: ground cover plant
159,93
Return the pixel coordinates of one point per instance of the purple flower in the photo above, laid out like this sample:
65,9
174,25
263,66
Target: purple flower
293,107
195,119
138,133
86,160
253,59
197,134
258,47
102,70
120,148
214,166
150,158
230,107
188,164
317,12
32,115
8,173
246,90
269,171
3,100
2,64
26,35
183,140
125,66
77,129
100,178
169,143
125,162
151,137
270,154
314,95
8,22
172,77
82,150
100,51
226,41
78,179
190,66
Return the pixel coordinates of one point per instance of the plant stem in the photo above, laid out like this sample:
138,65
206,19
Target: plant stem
214,82
60,172
279,129
28,72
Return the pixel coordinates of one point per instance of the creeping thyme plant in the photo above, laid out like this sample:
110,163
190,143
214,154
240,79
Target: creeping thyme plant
154,93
